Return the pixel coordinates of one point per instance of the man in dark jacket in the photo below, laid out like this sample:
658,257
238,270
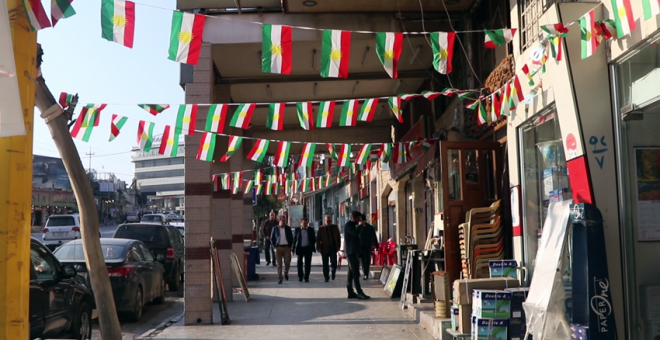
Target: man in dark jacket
369,240
328,242
303,246
353,250
266,229
281,239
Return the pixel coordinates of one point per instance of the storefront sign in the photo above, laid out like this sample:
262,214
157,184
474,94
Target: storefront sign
416,133
647,179
56,199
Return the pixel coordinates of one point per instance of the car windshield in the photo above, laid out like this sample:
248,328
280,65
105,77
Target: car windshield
60,221
74,252
152,218
146,234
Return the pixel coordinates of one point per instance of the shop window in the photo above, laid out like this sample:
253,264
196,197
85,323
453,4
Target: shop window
454,175
637,78
530,13
471,167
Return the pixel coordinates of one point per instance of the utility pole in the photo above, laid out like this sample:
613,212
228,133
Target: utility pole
16,186
90,154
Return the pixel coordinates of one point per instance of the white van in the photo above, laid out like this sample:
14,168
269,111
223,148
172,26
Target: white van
60,229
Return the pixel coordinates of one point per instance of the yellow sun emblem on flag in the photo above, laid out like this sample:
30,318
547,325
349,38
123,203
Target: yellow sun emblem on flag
349,113
216,118
276,49
622,12
588,35
443,54
367,109
119,20
335,55
206,147
144,136
325,114
389,55
305,115
260,150
242,114
186,120
185,37
170,142
276,116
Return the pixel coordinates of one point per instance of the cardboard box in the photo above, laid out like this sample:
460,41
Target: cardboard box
651,329
517,329
454,318
462,289
649,298
518,296
503,268
464,315
490,329
491,304
441,285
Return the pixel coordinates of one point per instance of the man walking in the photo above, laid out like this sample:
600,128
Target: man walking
328,242
353,250
303,246
281,239
266,229
369,240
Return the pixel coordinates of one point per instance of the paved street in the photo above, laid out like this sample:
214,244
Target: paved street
299,310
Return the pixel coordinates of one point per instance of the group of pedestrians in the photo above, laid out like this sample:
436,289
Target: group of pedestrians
281,241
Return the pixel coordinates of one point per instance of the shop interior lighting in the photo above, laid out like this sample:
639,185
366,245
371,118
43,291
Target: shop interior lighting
417,50
364,57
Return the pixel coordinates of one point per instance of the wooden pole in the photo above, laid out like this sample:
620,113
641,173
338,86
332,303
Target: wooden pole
56,120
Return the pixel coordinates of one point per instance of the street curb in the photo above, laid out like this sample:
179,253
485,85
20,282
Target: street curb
154,331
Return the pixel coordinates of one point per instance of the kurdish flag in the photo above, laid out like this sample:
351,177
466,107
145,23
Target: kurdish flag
145,135
388,48
234,144
118,21
154,109
36,14
248,187
305,115
495,105
259,176
86,121
242,116
400,153
276,49
237,182
60,9
525,70
515,94
206,147
443,51
364,154
186,37
331,150
65,99
349,113
588,32
556,29
275,119
224,181
623,17
395,104
409,96
186,119
169,144
497,38
504,109
430,95
215,119
269,189
326,110
651,8
482,115
282,155
327,180
335,53
115,126
344,155
216,183
305,185
260,189
368,110
307,155
259,150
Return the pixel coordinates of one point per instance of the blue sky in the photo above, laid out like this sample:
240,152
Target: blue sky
77,60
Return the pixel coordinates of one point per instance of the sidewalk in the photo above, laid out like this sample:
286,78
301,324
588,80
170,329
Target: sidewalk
300,310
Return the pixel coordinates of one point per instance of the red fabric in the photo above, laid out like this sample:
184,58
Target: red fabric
578,176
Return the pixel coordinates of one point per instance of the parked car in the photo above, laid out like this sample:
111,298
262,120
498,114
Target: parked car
154,218
136,277
61,301
164,241
132,217
173,217
60,229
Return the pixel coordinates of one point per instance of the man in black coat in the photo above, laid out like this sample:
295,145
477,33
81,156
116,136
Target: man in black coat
369,240
304,241
281,239
353,250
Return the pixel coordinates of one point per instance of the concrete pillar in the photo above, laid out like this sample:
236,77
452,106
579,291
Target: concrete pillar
401,201
419,211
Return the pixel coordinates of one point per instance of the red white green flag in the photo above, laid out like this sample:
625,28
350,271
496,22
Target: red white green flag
259,150
607,28
331,150
215,119
368,110
515,94
556,29
86,121
497,38
269,189
282,155
349,113
115,126
169,144
388,48
589,36
224,181
385,152
651,8
395,104
495,105
118,21
234,144
248,187
335,53
307,155
216,183
525,70
275,119
186,119
65,99
364,154
326,111
186,37
276,49
409,96
305,185
206,147
443,51
344,155
259,176
237,182
260,189
242,116
154,109
305,115
482,114
327,180
400,153
145,135
430,95
36,14
60,9
504,108
623,17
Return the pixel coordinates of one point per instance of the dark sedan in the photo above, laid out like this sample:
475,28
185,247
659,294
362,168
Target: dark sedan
136,277
60,301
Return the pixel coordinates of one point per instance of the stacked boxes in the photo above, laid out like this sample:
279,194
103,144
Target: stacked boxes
489,329
517,322
491,304
503,268
462,297
454,318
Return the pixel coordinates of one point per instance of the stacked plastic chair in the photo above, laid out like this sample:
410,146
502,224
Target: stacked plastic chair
481,239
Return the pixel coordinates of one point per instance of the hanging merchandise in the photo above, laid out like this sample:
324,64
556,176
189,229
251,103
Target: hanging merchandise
145,135
335,53
186,119
388,49
215,179
623,17
242,116
60,9
206,147
118,21
275,119
276,49
349,113
215,119
224,181
443,51
344,155
86,121
186,37
368,110
395,105
169,144
234,144
282,155
589,36
154,109
326,110
115,126
307,155
364,154
237,182
258,151
36,14
248,187
305,115
497,38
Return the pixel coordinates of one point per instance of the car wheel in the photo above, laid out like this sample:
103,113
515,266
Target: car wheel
161,297
82,325
136,314
174,285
